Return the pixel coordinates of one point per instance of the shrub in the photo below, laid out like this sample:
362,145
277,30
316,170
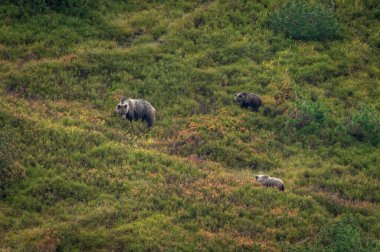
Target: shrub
304,21
376,12
11,168
51,190
365,125
346,235
307,115
315,73
374,38
68,7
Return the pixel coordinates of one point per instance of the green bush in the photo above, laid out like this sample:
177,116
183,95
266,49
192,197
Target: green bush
307,115
11,168
376,12
365,125
304,21
51,190
68,7
345,235
315,73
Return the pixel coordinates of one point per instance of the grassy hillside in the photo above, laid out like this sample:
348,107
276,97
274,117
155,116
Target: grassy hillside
74,177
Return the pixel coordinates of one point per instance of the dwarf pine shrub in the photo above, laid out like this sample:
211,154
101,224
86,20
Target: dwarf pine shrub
68,7
11,168
342,236
364,125
308,115
303,20
376,12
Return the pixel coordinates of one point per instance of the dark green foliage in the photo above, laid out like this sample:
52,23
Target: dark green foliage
25,9
10,167
71,7
376,11
342,236
304,20
51,190
345,235
308,116
364,125
46,35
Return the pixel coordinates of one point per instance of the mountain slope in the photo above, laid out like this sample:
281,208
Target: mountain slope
75,177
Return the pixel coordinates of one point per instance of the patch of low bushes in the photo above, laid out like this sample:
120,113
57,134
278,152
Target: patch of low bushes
312,118
303,20
22,9
345,235
364,125
11,168
308,116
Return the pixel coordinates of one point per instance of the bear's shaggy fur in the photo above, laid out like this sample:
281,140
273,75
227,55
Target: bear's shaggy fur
248,100
270,182
135,109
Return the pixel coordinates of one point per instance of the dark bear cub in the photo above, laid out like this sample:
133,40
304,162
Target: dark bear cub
248,100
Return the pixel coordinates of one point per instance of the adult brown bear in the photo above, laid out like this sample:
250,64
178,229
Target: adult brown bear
270,182
248,100
135,109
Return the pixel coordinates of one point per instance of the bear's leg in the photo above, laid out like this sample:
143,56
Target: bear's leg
150,123
149,120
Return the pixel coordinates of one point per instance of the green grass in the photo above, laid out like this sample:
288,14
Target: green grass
73,177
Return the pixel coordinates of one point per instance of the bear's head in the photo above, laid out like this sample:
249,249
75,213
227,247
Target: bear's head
239,97
261,177
122,108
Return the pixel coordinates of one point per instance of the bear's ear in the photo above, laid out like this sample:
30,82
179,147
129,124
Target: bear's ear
123,99
245,93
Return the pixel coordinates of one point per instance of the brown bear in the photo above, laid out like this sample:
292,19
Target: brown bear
248,100
135,109
270,182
